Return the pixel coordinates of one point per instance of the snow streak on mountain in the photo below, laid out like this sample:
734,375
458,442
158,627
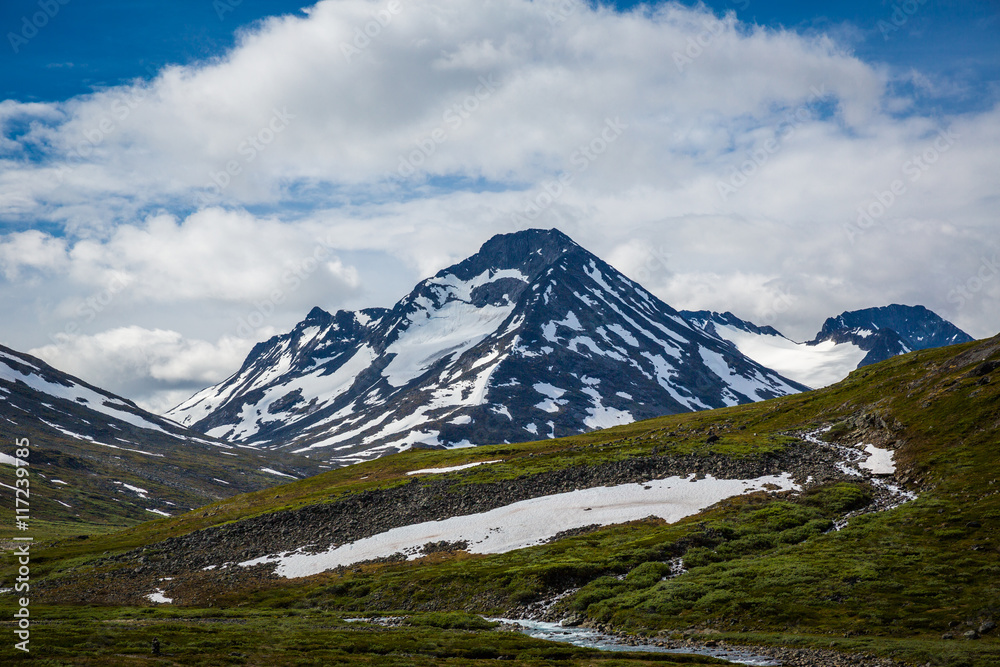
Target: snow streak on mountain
533,337
846,342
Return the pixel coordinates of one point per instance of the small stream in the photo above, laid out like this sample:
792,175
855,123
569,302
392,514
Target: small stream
587,638
888,495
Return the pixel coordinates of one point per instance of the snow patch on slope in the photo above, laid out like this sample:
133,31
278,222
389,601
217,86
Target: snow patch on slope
447,330
553,401
602,416
880,461
532,522
438,471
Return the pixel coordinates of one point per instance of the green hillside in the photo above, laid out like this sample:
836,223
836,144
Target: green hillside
919,583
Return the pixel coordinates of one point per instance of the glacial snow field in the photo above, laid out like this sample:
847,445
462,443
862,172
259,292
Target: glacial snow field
815,366
859,520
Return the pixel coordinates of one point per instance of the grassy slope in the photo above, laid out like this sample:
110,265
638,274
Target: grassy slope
761,569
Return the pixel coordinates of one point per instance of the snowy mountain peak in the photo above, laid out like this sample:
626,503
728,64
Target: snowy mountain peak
708,320
916,327
531,337
530,252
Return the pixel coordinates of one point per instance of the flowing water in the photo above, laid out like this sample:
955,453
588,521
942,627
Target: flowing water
587,638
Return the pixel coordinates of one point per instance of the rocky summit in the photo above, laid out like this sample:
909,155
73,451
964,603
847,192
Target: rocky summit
891,330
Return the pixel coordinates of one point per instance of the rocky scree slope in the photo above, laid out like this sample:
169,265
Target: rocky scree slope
191,561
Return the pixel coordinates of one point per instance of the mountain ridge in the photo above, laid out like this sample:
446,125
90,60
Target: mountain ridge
532,336
849,341
124,462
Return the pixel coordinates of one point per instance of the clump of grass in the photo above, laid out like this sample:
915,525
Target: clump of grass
836,432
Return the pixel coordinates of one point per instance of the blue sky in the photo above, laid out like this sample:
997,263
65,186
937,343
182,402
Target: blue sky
168,169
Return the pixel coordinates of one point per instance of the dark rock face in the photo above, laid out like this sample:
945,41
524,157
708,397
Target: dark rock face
880,345
918,327
532,337
891,330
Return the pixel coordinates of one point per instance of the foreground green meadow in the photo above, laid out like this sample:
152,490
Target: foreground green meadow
919,583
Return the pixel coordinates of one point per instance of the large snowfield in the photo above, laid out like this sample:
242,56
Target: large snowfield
815,366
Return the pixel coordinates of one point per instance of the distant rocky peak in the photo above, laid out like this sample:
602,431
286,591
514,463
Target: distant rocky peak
917,327
318,316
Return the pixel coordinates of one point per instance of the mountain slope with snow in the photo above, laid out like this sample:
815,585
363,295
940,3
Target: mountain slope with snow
845,343
532,337
814,365
95,455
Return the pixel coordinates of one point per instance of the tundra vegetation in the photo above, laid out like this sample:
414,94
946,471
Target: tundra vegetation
821,568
